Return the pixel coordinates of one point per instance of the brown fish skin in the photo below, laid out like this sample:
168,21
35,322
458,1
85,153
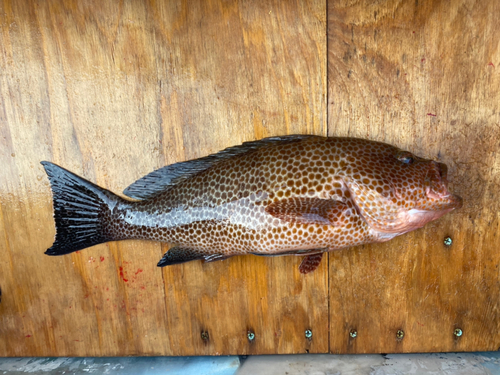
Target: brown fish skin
288,195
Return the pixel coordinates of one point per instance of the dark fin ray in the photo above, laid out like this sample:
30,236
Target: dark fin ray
310,263
215,257
177,255
79,206
309,211
166,177
293,252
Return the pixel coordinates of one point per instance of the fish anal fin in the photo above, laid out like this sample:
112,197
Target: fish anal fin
310,211
177,255
310,263
215,257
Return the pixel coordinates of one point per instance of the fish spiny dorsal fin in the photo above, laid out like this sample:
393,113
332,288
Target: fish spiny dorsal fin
169,176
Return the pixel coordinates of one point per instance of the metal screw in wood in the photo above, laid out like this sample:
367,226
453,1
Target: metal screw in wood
353,333
400,334
457,332
251,335
308,333
448,241
204,336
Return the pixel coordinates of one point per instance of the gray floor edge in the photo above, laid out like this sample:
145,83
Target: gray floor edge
481,363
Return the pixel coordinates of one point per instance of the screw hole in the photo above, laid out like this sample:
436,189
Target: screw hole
205,336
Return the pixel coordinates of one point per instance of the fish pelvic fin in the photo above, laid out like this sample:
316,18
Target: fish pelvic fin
80,209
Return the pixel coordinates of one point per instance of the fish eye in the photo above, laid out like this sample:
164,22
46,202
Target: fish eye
405,157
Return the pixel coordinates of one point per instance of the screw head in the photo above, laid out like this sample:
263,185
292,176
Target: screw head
204,336
457,332
308,333
400,334
353,333
251,335
448,241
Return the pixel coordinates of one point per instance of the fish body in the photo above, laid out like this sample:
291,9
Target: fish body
301,195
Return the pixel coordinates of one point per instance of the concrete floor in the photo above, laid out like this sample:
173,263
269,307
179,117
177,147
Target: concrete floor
308,364
375,364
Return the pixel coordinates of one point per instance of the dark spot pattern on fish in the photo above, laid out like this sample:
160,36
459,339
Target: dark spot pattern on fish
279,197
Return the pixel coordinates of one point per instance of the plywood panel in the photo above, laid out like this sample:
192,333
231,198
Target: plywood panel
112,91
424,76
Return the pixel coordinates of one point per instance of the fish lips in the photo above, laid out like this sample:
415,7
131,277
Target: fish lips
437,186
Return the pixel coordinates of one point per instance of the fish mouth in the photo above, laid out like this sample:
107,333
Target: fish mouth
437,186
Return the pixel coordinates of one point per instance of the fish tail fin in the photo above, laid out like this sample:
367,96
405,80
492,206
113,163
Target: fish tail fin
80,209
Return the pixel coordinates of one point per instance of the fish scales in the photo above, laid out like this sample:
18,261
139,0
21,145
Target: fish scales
299,195
223,209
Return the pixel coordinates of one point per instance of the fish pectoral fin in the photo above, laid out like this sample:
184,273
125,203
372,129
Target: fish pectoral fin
310,211
177,255
310,263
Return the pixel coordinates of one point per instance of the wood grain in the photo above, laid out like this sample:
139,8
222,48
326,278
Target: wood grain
113,90
424,76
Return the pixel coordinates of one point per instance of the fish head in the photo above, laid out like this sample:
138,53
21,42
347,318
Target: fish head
396,191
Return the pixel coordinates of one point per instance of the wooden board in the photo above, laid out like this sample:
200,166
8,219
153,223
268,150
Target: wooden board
423,75
115,90
112,91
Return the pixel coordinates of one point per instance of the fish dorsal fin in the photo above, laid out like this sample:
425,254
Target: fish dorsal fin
169,176
310,211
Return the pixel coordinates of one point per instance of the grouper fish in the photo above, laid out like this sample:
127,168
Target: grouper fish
290,195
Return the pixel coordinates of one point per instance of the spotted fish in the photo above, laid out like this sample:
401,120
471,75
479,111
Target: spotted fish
297,194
